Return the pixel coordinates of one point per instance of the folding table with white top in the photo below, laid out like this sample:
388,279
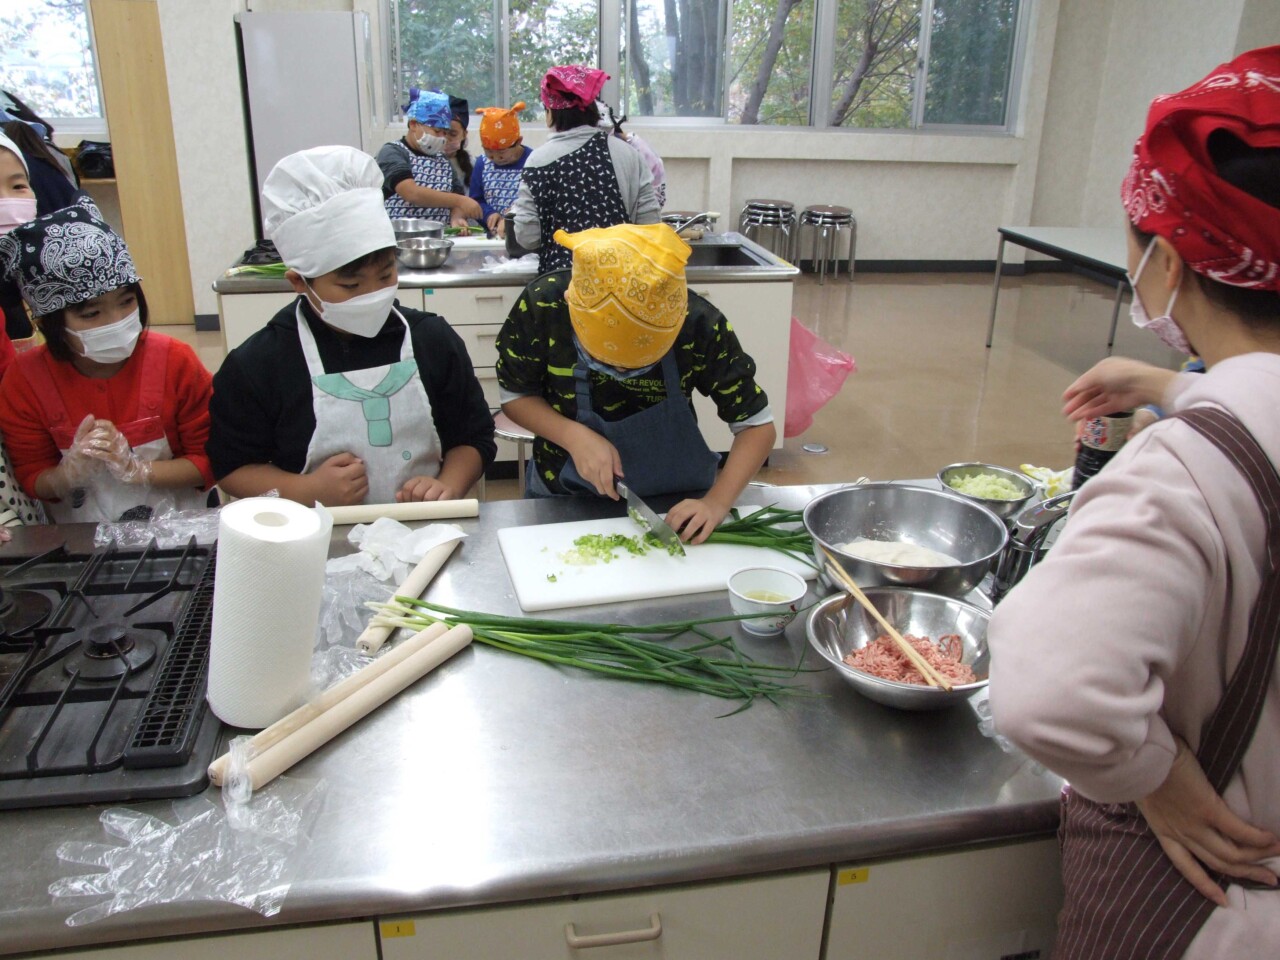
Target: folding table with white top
1101,249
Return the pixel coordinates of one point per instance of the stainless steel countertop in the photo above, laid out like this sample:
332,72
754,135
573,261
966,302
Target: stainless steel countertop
498,779
462,269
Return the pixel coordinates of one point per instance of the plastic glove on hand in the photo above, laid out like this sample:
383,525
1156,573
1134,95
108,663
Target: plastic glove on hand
109,446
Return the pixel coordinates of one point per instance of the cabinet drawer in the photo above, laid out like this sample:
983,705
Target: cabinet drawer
341,941
463,306
481,342
762,919
985,904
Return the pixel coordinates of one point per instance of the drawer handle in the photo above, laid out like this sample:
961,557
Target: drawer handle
487,336
488,296
651,932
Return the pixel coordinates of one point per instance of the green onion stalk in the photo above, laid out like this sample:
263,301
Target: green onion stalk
770,527
711,665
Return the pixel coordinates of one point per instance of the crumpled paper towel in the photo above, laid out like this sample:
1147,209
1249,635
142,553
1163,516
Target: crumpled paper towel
389,549
507,265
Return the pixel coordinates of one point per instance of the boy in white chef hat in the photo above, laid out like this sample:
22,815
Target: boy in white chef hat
345,396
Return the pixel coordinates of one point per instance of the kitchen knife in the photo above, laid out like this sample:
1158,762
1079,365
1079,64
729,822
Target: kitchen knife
644,516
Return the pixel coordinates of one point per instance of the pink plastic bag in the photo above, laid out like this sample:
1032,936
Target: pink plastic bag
815,373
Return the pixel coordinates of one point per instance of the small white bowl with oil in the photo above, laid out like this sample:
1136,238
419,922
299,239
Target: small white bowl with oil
770,591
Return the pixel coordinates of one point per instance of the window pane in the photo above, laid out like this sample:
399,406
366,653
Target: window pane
770,61
46,59
672,55
876,48
970,56
448,45
545,33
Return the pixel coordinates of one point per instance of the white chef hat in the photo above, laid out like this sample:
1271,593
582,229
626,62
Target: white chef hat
322,208
12,147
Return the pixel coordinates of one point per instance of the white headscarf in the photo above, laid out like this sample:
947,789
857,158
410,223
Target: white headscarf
13,147
323,208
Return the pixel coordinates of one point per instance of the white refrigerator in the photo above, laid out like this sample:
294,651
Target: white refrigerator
307,79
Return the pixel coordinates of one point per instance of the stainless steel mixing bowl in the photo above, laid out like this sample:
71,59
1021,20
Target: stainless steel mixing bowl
423,253
405,227
839,625
1004,509
937,519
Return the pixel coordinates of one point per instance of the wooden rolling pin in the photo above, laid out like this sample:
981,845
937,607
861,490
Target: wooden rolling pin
418,510
291,748
335,694
414,584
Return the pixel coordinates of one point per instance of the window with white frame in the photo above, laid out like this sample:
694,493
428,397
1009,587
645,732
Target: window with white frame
896,64
46,58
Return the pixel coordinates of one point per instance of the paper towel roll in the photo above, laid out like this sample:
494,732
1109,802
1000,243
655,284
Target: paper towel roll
266,601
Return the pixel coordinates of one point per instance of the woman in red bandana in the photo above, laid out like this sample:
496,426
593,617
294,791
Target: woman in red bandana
581,177
1138,660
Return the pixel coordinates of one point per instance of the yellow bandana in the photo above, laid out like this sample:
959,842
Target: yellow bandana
627,297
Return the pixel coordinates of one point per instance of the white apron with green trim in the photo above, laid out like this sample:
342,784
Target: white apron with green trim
380,414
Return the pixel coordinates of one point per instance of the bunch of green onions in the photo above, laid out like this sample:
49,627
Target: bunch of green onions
770,527
711,665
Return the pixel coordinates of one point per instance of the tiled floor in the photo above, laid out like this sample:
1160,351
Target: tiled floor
927,391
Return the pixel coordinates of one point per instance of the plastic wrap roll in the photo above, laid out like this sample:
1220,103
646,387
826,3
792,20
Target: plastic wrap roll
406,512
266,601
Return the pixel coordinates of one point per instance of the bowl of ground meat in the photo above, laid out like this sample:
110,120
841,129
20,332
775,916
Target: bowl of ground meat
950,634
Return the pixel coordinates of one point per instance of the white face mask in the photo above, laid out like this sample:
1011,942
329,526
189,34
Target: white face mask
431,145
112,343
1163,326
16,210
363,316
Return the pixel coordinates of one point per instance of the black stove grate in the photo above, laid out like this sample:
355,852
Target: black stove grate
175,705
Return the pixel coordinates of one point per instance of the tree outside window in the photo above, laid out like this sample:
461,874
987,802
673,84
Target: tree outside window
46,58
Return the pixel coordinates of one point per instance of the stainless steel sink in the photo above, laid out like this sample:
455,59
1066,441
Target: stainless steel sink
722,255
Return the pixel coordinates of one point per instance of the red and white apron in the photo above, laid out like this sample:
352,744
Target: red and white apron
105,497
380,414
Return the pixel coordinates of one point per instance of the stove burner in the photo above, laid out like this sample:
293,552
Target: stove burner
22,611
108,651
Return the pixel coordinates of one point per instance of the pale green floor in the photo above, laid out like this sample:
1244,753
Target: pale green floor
927,391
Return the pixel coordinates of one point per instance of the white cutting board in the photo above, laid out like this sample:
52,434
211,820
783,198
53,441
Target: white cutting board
532,554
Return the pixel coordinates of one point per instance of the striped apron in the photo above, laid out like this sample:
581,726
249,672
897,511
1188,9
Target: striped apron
1125,900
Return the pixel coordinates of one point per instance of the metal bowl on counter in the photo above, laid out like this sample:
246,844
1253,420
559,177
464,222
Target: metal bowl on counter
838,626
405,227
1005,509
937,520
423,253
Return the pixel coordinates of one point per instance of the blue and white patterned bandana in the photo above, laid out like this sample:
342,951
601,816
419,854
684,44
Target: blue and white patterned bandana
65,257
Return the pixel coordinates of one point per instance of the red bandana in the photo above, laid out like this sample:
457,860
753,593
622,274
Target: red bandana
572,86
1172,189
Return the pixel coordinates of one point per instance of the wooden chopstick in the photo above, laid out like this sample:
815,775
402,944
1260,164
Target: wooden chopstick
931,676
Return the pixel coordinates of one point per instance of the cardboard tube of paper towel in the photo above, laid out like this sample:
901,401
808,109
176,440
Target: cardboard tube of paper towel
405,512
338,692
282,755
414,584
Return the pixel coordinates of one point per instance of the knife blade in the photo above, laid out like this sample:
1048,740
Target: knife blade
645,517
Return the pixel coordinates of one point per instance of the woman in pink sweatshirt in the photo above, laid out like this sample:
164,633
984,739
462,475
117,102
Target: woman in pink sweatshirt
1137,660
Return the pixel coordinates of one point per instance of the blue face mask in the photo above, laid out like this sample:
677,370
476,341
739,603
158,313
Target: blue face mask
618,373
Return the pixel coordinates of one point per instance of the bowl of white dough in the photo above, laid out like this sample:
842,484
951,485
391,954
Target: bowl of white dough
897,535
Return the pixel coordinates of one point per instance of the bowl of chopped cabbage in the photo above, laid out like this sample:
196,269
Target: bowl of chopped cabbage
1003,491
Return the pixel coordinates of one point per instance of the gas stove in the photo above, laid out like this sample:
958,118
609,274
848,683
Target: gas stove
103,667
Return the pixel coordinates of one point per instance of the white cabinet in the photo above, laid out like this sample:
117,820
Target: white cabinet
760,314
339,941
772,918
988,904
240,315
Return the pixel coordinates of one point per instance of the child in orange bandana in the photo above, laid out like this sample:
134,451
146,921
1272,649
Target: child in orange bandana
496,177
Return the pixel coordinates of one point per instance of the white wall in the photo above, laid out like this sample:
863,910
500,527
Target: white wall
1092,68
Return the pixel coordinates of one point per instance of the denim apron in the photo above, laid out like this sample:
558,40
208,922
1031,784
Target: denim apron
661,448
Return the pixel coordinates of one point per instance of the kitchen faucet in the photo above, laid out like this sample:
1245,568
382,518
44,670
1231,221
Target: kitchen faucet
703,218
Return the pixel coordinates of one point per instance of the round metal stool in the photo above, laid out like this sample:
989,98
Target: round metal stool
824,223
507,429
770,223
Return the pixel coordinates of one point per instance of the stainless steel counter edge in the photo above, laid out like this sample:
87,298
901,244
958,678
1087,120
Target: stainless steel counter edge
498,780
463,270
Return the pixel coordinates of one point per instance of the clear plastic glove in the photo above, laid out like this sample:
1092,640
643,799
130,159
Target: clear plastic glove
77,464
109,446
244,854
